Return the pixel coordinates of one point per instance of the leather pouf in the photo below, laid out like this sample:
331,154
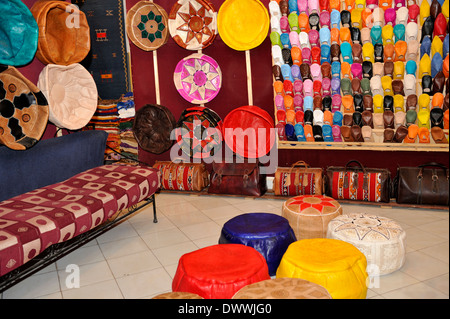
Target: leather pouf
198,78
177,295
309,215
283,288
380,239
23,110
269,234
152,127
147,25
71,93
64,36
219,271
193,23
249,131
18,33
243,24
334,264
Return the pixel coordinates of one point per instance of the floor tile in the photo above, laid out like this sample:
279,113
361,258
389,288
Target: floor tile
145,284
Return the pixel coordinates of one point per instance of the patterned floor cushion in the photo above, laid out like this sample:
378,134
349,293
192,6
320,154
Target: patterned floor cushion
31,222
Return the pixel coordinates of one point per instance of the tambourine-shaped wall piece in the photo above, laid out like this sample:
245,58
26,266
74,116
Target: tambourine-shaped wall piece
23,110
243,24
18,33
64,36
147,25
71,93
193,23
198,78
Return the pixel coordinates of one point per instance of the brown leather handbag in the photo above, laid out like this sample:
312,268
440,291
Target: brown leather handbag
426,184
299,179
237,179
356,182
182,176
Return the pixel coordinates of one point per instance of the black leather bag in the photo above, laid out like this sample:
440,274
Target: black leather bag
426,184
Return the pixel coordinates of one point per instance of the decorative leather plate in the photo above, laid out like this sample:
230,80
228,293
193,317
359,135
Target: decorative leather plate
23,110
199,132
198,78
193,23
243,24
147,25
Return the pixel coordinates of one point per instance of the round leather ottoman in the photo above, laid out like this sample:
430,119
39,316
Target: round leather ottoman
283,288
380,239
177,295
269,234
219,271
309,215
334,264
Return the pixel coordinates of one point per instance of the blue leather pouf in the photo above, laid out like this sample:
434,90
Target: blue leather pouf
269,234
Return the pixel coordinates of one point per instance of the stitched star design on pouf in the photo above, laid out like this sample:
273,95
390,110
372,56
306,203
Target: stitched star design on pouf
314,201
196,24
200,77
151,26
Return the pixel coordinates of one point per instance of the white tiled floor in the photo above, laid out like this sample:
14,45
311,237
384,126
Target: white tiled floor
137,258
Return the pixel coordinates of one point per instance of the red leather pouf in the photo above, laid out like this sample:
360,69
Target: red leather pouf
219,271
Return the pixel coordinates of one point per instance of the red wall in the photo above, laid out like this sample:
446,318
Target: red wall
234,94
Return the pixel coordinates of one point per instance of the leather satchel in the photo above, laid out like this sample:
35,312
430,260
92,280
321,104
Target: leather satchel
182,176
426,184
359,183
299,179
237,179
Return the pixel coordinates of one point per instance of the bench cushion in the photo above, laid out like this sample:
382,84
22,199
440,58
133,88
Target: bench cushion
32,222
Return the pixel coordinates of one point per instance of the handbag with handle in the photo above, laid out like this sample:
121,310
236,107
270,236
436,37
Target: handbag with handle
299,179
359,183
238,179
182,176
426,184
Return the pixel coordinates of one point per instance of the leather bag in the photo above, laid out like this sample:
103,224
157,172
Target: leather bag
352,182
182,176
237,179
299,179
426,184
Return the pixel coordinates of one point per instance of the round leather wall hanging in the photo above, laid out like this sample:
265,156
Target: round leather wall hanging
193,23
18,33
23,110
71,93
248,131
243,24
152,127
147,25
63,32
198,78
199,132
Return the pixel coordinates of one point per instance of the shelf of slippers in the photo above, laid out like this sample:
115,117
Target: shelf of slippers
388,120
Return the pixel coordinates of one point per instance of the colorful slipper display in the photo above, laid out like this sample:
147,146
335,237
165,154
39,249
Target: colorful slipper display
379,67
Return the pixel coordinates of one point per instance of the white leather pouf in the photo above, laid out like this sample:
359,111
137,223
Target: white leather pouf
380,239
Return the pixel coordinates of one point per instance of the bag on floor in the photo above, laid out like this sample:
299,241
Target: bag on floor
426,184
238,179
358,183
299,179
182,176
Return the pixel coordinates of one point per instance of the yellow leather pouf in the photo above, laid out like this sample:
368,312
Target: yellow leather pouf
380,239
309,215
334,264
283,288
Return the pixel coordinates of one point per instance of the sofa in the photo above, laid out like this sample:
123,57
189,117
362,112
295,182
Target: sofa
59,194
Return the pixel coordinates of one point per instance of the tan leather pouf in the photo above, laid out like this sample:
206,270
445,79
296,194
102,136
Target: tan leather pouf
380,239
309,215
283,288
177,295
